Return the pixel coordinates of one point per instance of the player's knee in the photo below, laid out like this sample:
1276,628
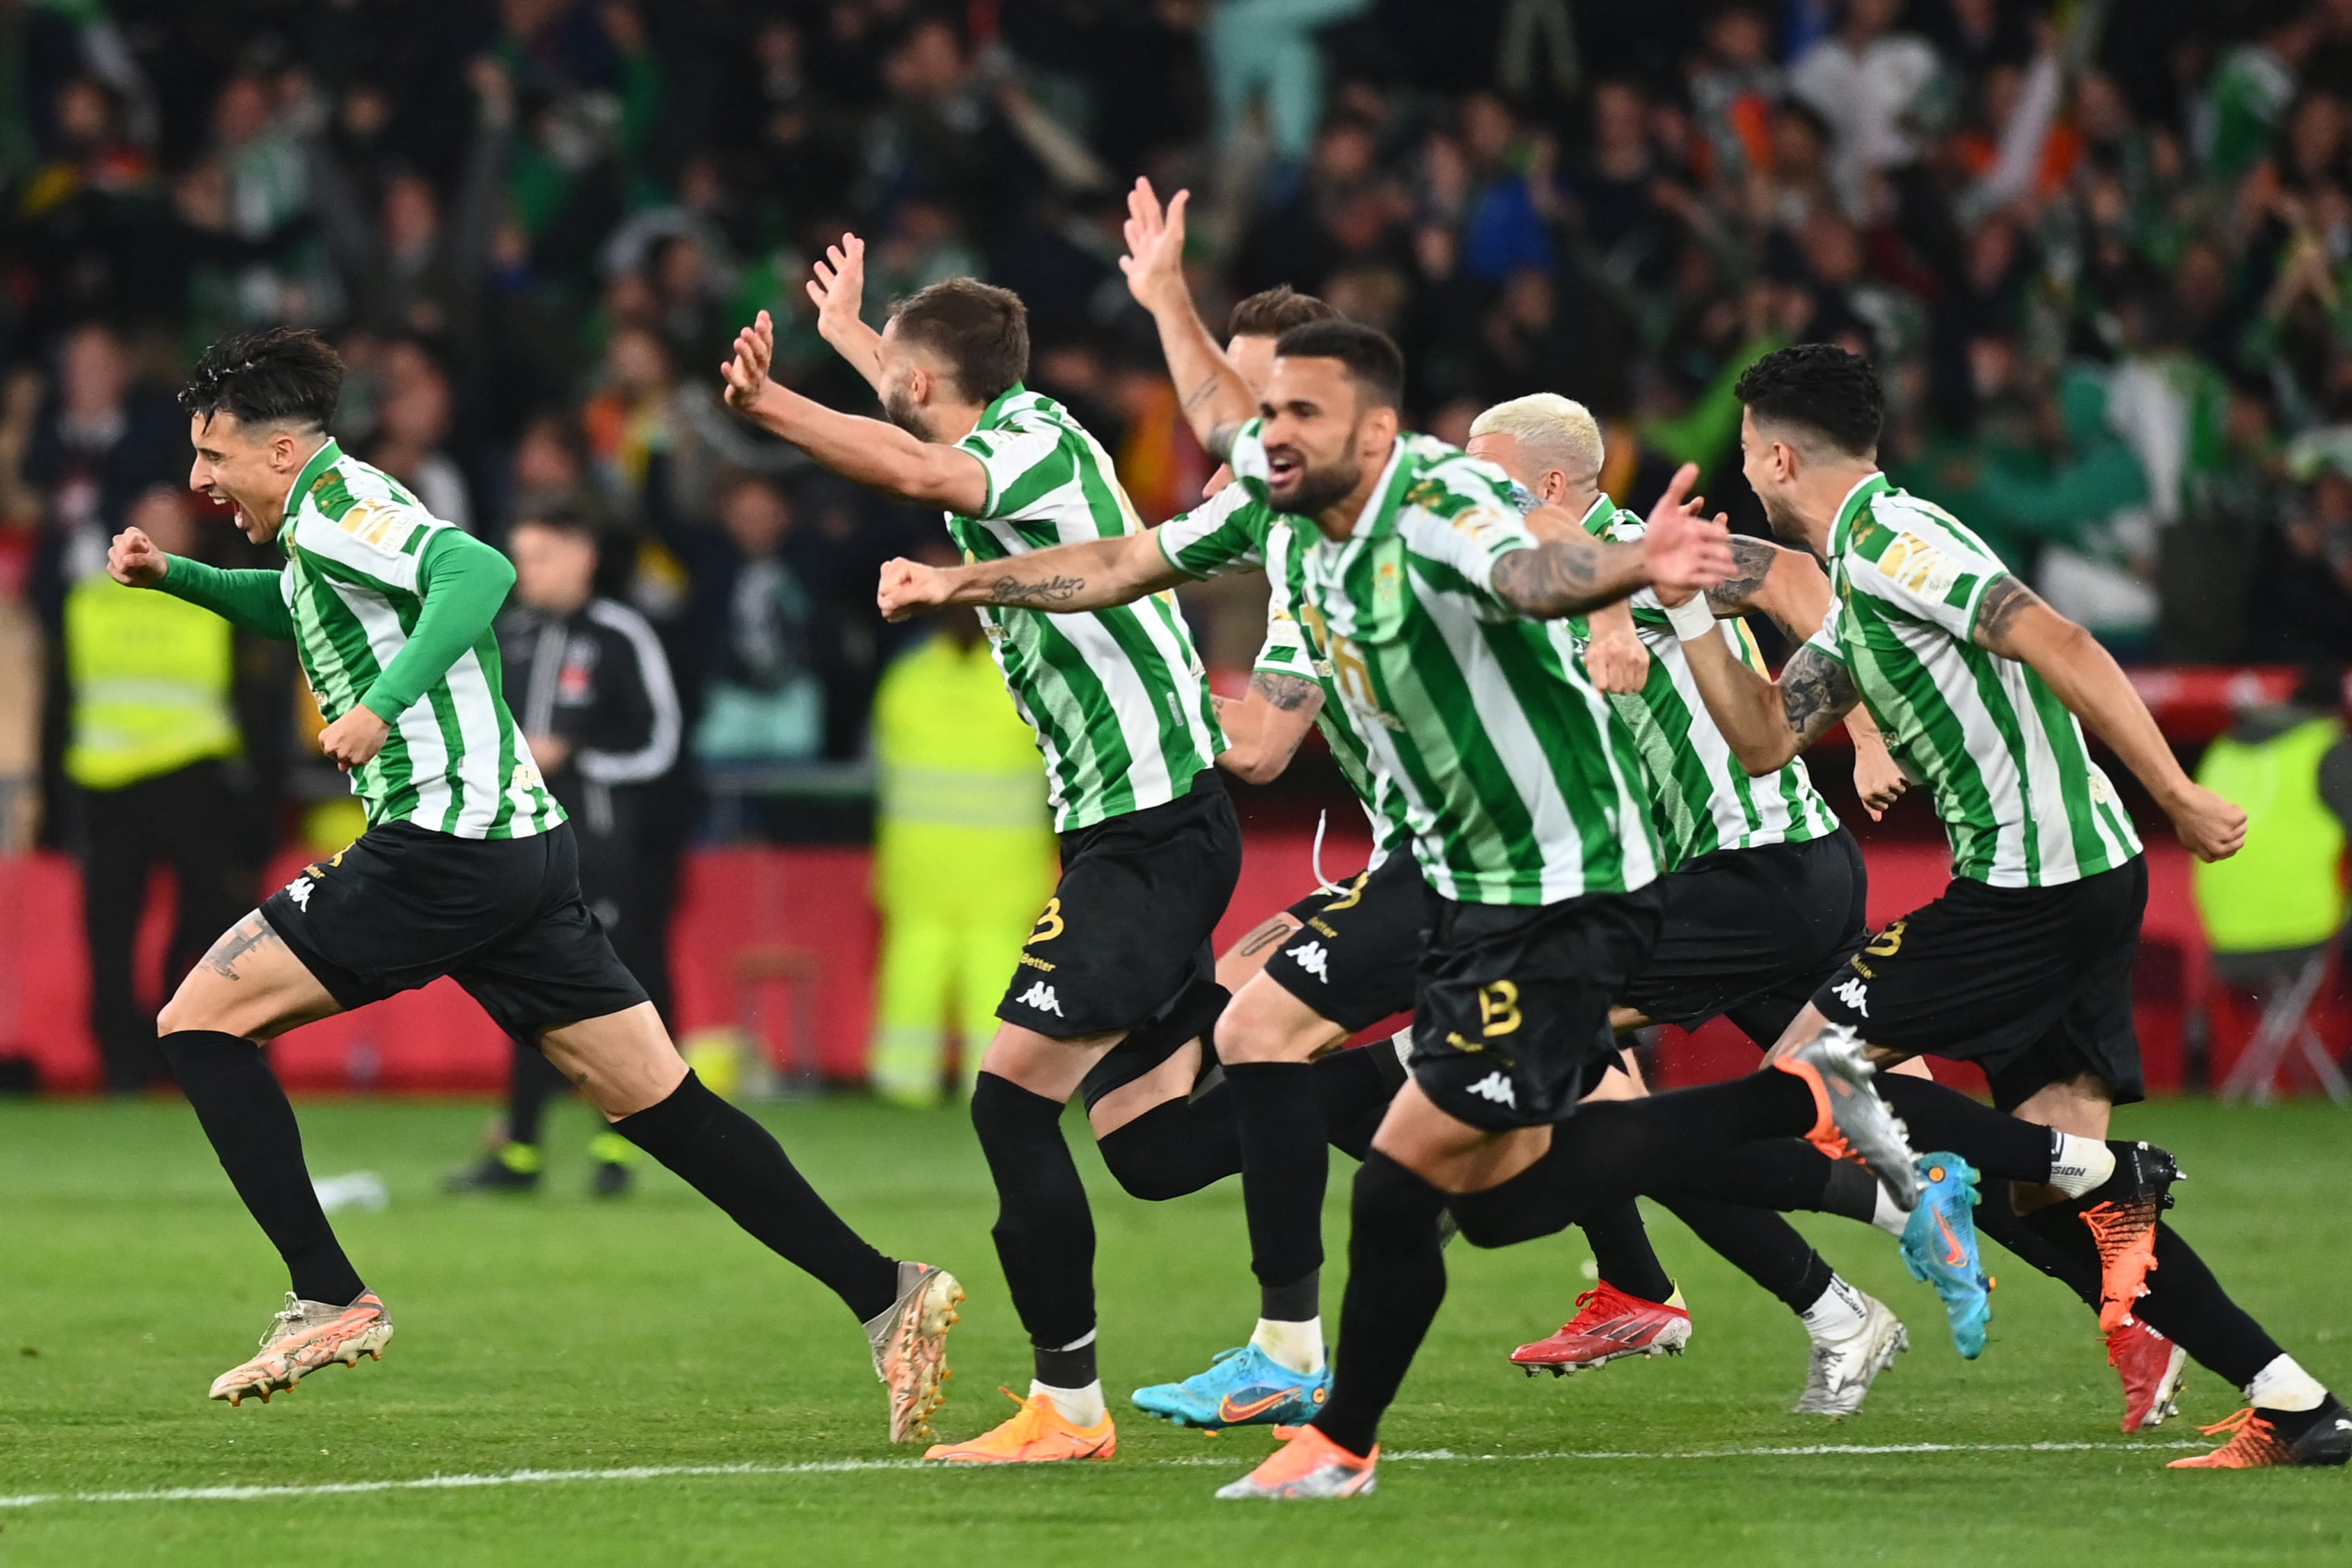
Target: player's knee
1139,1158
1266,1023
182,1012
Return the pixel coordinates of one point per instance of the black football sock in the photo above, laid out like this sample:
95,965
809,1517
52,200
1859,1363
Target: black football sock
1761,1245
1285,1165
1176,1147
1999,1145
2184,1301
244,1111
737,1164
1786,1175
1356,1086
1045,1232
2072,1267
1396,1282
1620,1251
532,1081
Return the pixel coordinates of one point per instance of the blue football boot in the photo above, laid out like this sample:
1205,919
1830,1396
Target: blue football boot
1243,1387
1939,1246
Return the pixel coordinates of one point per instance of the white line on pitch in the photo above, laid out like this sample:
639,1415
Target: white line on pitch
845,1467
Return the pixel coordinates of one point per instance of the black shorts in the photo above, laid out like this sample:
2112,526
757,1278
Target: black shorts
2032,984
503,917
1511,1025
1129,927
1751,935
1353,957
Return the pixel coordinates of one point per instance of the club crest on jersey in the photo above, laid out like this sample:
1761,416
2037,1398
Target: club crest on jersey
1313,958
1041,996
1854,994
1497,1088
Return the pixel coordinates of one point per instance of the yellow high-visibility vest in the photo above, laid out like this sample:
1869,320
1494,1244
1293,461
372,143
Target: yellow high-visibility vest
2285,888
962,819
150,677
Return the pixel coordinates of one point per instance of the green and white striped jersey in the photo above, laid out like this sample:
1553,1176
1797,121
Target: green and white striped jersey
1519,784
2022,801
1703,800
455,761
1234,531
1118,697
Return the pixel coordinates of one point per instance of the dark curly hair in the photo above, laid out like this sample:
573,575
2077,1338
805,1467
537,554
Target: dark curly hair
268,375
1821,388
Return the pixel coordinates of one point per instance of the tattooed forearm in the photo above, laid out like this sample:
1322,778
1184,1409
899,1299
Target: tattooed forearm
1564,577
1751,563
1203,393
1287,693
246,935
2005,599
1040,594
1220,445
1815,693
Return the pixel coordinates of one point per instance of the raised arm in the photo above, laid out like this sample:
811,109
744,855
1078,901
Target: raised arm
869,451
1217,402
1569,572
838,291
2013,622
1613,655
1264,729
252,599
1093,574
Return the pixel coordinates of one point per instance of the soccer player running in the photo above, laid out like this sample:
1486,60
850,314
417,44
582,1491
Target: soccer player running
468,869
1764,895
2024,964
1522,797
1118,978
1359,941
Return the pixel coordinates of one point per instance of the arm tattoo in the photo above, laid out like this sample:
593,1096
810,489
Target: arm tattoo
1751,563
1560,577
1816,691
1220,440
1203,393
1011,590
246,935
2004,599
1286,692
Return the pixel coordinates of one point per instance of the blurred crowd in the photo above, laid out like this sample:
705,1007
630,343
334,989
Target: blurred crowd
2101,249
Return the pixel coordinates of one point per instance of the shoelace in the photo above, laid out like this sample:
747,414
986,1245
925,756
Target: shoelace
292,1314
1030,1424
2250,1437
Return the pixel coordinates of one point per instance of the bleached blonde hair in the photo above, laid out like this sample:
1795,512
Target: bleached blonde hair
1553,432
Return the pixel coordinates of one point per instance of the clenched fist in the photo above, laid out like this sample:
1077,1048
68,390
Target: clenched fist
909,588
133,560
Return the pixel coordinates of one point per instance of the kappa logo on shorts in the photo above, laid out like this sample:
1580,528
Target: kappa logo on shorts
1312,958
1855,994
1041,996
1497,1088
298,890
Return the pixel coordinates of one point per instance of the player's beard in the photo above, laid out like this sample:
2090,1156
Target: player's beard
906,413
1320,488
1785,525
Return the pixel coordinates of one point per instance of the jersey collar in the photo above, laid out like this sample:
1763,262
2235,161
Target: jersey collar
326,457
1857,501
1599,516
1379,512
993,415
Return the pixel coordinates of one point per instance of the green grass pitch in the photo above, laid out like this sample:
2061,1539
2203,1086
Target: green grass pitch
554,1333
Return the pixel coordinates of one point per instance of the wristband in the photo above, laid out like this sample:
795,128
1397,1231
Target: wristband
1692,619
